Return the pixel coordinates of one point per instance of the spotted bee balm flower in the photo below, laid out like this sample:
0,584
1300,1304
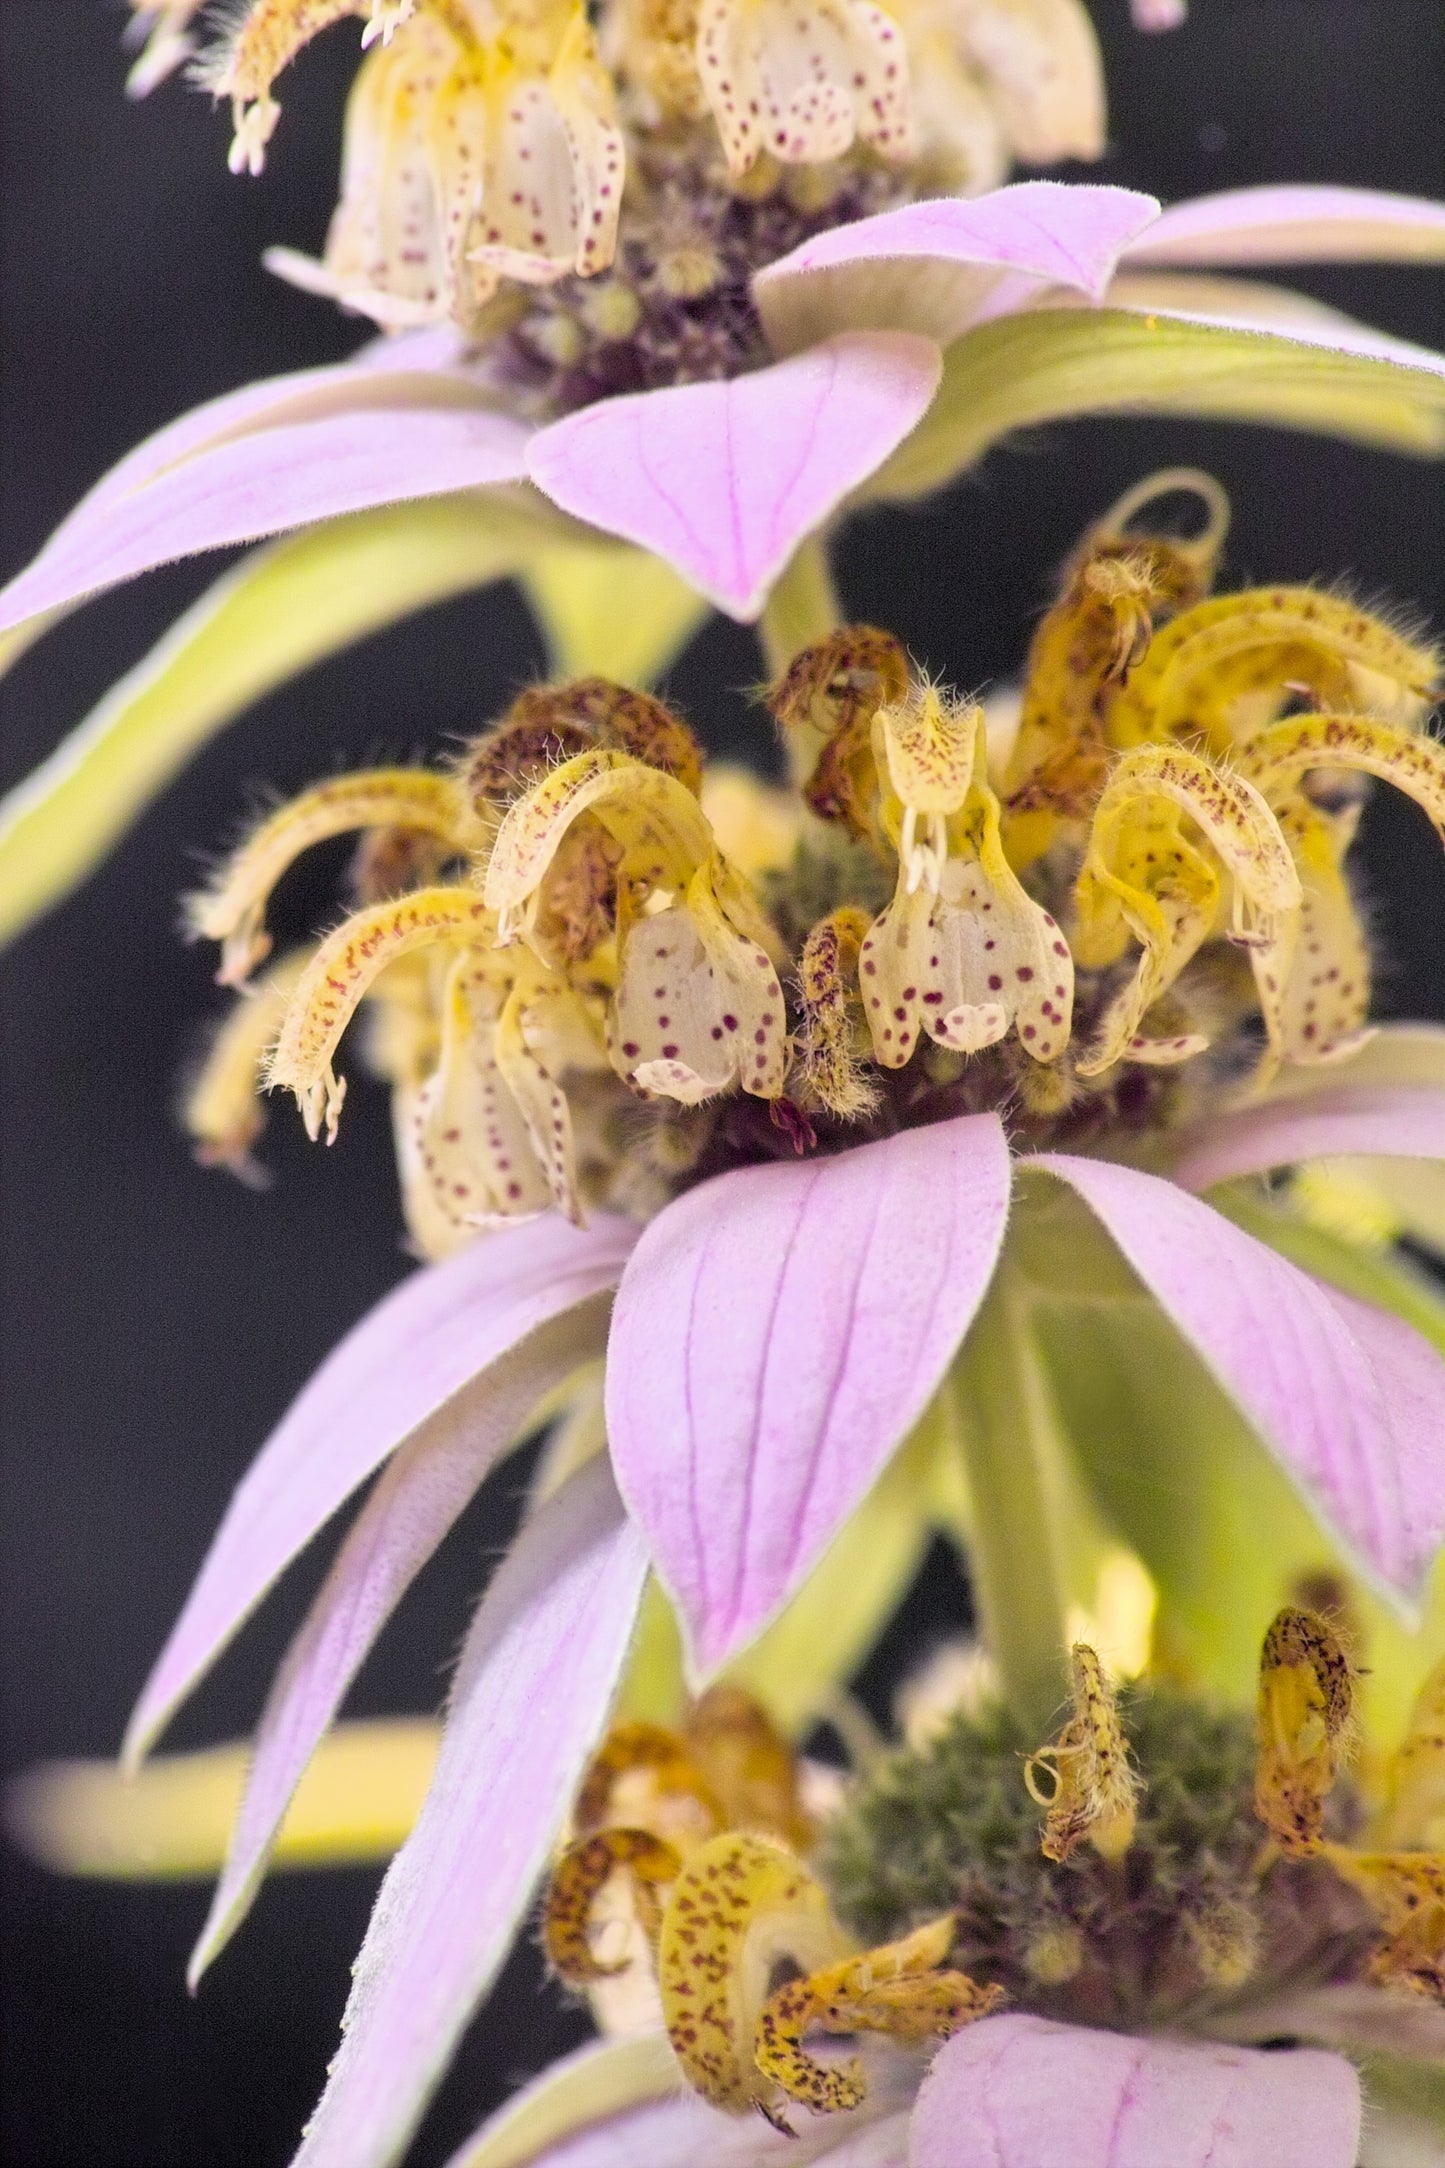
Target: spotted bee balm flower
882,1108
667,296
1099,1931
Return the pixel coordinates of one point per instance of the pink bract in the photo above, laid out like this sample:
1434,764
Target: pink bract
406,418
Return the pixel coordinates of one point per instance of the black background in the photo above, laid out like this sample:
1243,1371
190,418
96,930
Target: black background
156,1318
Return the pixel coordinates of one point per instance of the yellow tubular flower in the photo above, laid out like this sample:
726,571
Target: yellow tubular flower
481,142
1122,583
1306,1698
1268,644
1306,1719
698,1005
1092,1789
1142,874
343,969
222,1111
711,1850
962,952
233,911
1326,993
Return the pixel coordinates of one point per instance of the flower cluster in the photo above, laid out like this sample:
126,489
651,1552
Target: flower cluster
492,141
1103,912
1182,1883
763,1045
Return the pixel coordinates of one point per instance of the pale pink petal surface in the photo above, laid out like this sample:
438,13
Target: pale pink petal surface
429,1339
1022,2092
532,1693
941,266
777,1333
1289,223
1350,1401
724,480
1397,1123
362,437
688,2134
418,1498
556,2121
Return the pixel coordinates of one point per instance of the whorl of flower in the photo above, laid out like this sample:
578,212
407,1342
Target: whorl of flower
1184,1910
726,1897
1109,912
490,139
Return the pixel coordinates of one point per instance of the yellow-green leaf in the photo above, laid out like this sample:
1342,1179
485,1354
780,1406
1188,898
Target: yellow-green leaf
281,609
1050,365
172,1821
611,611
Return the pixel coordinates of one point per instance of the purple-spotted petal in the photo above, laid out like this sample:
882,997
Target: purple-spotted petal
777,1333
431,1339
1395,1123
276,455
724,480
1350,1401
942,266
533,1688
421,1493
1022,2092
1295,224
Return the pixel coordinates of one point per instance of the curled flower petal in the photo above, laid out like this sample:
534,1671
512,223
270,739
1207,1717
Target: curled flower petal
1022,2092
776,1335
278,455
1349,1400
1397,1123
430,1340
1285,223
725,479
551,1636
417,1500
942,266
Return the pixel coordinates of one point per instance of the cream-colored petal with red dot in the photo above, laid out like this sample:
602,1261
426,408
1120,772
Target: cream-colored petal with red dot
521,1043
699,1008
470,1156
386,251
928,748
895,966
802,79
1041,63
1321,998
582,91
554,161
